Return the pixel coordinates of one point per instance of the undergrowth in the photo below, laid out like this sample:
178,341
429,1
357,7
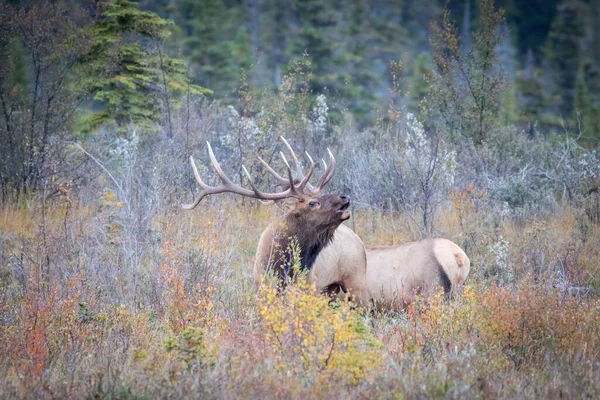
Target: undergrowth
88,310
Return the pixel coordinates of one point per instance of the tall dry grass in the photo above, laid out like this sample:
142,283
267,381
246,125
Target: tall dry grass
94,305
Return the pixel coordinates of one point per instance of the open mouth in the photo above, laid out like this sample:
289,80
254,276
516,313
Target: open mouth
344,207
343,211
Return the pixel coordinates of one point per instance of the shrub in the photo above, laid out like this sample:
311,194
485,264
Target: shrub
315,340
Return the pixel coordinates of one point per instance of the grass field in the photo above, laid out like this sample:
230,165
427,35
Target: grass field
102,301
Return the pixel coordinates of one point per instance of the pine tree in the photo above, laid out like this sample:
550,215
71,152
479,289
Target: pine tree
314,31
350,45
562,51
419,81
531,21
417,15
466,39
216,42
127,69
530,93
360,60
587,101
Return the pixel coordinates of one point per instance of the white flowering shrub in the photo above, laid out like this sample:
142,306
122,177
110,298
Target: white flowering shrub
499,251
571,164
428,155
318,125
429,165
243,128
125,148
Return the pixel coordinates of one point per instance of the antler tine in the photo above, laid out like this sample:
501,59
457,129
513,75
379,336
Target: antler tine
280,179
254,188
331,167
227,185
289,170
267,197
329,170
299,170
327,175
306,178
216,165
197,201
286,182
294,157
197,174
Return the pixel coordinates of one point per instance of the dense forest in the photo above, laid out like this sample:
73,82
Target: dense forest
548,50
470,120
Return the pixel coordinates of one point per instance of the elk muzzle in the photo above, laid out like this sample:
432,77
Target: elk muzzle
343,211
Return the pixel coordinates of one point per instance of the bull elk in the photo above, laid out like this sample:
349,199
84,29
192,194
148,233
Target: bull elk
396,274
334,258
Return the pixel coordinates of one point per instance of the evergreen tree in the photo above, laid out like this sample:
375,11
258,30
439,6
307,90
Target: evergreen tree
588,82
350,45
531,20
507,59
562,51
386,39
276,31
358,67
417,16
314,31
419,82
127,69
216,42
530,93
466,39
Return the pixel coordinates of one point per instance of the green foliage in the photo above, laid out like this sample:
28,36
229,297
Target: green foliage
588,79
127,68
562,51
350,45
189,347
587,113
508,108
419,83
467,94
216,43
530,90
531,21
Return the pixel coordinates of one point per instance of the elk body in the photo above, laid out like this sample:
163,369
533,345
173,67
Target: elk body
340,267
396,274
309,227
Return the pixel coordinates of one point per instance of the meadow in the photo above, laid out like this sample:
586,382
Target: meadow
89,311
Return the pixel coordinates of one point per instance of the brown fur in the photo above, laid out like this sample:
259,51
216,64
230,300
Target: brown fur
312,227
396,274
340,266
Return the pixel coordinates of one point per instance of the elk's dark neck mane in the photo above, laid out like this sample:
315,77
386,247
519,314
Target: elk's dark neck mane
311,240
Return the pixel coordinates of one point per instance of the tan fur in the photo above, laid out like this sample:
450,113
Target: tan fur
343,262
395,274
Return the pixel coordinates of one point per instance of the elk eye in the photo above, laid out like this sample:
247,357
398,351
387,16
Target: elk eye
313,203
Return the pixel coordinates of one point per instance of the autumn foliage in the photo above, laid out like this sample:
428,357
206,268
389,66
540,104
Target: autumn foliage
188,322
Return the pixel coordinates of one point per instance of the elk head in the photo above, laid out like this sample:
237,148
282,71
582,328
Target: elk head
312,217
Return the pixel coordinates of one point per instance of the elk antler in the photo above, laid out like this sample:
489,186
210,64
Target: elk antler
325,178
292,190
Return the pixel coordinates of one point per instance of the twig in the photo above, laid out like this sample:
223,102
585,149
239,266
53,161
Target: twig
103,168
